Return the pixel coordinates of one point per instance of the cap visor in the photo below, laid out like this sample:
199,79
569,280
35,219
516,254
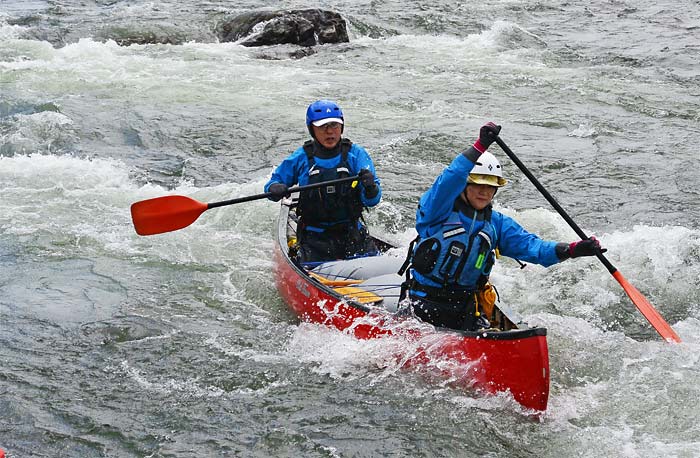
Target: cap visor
321,122
490,180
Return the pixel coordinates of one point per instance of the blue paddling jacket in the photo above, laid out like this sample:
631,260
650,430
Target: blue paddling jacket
455,238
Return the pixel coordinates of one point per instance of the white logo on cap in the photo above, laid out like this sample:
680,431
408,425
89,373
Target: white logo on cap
328,110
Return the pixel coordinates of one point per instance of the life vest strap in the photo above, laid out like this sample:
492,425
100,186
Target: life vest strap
445,295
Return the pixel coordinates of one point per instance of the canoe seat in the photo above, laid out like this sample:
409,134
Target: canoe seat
368,280
358,294
388,286
333,283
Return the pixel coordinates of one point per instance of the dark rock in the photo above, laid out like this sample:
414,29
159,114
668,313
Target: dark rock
300,27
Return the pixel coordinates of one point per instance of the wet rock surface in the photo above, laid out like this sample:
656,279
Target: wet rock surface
300,27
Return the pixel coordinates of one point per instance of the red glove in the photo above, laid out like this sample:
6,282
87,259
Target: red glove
589,247
487,135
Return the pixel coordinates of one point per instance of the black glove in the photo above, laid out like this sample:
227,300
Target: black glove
487,135
367,180
278,190
589,247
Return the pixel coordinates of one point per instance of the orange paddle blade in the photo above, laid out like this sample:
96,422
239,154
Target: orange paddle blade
648,310
165,214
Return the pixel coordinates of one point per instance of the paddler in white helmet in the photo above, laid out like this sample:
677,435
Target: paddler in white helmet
458,235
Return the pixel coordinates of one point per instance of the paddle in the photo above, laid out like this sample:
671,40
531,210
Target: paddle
170,213
644,306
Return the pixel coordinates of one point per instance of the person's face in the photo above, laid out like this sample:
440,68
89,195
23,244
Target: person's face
328,135
480,195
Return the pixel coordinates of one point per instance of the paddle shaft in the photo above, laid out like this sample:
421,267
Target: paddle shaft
291,190
641,302
608,265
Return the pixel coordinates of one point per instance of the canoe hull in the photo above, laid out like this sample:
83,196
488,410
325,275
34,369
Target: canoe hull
515,361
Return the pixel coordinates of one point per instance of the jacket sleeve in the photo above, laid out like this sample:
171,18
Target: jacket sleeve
363,161
437,203
289,171
515,242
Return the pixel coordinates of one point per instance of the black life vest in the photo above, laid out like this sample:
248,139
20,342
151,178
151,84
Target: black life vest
334,204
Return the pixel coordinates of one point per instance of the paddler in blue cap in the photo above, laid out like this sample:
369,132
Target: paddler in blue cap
329,225
459,234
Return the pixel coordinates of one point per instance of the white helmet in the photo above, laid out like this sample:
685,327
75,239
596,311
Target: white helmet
487,171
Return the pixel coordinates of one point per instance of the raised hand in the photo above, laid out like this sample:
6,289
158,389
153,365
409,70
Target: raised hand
487,135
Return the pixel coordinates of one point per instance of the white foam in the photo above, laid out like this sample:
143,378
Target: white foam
43,132
7,31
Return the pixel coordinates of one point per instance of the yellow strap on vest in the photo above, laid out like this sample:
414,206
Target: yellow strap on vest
486,298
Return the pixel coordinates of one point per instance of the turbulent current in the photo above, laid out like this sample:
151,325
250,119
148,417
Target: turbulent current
178,345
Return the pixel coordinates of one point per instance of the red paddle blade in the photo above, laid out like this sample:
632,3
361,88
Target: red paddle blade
165,214
648,310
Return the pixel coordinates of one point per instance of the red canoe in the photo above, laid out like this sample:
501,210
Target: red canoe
359,297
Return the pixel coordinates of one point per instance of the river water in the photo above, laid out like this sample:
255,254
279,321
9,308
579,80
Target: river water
115,345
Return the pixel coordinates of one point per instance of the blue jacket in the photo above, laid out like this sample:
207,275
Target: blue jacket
295,170
437,204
